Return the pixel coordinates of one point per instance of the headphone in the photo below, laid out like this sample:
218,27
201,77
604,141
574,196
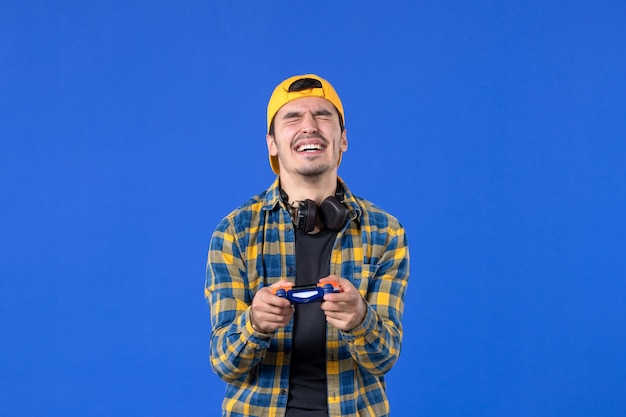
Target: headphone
331,212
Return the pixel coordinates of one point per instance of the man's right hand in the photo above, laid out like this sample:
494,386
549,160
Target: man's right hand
270,312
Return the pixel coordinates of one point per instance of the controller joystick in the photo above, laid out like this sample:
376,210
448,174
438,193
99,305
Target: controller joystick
328,288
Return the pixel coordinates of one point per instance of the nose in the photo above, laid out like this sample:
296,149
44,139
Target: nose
309,124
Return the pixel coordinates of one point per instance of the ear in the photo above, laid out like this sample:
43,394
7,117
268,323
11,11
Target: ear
344,141
272,149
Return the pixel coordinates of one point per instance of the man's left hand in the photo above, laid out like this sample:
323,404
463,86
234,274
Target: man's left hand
344,310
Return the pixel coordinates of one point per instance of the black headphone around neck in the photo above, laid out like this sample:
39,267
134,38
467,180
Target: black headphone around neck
331,211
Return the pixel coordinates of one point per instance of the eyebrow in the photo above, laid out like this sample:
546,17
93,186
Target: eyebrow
320,112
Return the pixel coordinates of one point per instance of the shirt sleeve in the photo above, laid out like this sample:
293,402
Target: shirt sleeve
375,344
235,346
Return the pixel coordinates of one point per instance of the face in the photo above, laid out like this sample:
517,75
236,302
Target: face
308,138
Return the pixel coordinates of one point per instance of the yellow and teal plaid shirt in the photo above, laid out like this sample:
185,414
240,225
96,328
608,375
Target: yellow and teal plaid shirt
254,247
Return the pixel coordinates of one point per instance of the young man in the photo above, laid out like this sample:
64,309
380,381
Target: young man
280,357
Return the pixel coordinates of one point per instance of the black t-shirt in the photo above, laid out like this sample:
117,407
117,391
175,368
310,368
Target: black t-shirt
307,380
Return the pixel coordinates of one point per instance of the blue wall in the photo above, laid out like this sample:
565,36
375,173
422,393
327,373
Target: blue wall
493,130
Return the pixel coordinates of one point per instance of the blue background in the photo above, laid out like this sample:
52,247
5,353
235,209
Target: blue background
494,130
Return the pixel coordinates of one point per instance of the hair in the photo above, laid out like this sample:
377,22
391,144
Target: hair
306,84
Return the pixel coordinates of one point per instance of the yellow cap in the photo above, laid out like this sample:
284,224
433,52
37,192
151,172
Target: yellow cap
282,96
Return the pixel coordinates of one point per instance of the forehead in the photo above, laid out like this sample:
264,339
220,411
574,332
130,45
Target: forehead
306,104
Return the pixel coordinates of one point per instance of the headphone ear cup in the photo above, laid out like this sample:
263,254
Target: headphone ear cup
307,214
333,213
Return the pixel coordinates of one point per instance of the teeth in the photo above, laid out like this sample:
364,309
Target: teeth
309,147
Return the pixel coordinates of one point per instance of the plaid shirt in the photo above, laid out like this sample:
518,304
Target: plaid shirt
254,247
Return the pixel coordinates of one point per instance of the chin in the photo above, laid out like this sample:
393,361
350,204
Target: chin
316,171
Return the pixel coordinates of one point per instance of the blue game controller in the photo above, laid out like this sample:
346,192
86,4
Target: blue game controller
304,294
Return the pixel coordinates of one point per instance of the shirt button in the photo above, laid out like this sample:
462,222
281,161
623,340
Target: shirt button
283,392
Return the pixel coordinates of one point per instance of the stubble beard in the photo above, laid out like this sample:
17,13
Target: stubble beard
312,174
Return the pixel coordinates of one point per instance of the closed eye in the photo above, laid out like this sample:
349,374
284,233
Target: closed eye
323,113
292,116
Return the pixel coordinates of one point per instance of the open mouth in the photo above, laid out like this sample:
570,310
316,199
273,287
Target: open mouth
310,147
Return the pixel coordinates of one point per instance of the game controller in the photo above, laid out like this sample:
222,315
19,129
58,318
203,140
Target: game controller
307,293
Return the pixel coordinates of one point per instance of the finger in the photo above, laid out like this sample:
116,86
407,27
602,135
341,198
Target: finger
333,279
339,297
347,297
267,297
336,315
282,283
344,284
330,306
269,322
273,310
340,323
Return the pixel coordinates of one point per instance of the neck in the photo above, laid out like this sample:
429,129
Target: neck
300,189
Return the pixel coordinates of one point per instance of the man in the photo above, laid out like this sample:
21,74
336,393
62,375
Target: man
284,358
